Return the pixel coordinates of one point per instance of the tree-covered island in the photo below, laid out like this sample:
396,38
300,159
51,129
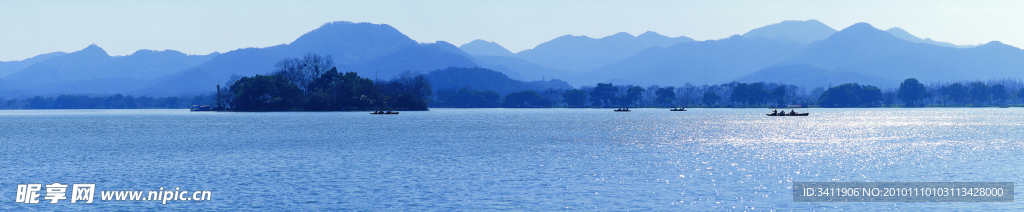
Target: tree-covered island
313,83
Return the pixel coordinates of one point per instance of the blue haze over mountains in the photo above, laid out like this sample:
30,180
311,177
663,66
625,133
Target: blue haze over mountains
803,53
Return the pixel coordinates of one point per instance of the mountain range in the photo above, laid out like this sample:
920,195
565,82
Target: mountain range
7,68
859,49
803,53
92,70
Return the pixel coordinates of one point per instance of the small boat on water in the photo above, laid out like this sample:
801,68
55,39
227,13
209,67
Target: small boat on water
381,112
200,108
784,113
678,109
1004,106
622,110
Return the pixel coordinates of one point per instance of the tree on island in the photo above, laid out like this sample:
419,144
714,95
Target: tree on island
407,91
265,93
306,71
575,97
312,83
911,92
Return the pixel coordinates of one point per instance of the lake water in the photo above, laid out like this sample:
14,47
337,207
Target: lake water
505,159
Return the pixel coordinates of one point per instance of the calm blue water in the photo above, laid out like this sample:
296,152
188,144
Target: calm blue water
506,159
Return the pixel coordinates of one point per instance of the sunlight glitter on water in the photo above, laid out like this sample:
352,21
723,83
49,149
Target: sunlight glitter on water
514,159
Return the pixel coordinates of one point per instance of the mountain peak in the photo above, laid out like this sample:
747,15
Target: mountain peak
996,45
903,34
570,37
811,21
861,26
93,49
346,29
619,35
335,38
449,47
861,31
578,54
651,34
803,32
147,52
897,29
482,47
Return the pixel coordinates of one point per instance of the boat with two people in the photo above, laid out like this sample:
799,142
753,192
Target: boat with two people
388,112
678,109
791,112
622,110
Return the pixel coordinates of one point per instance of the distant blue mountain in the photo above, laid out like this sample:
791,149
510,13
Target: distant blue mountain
518,68
861,48
809,77
577,54
903,34
859,52
420,58
700,62
481,47
368,49
9,67
92,70
486,79
495,57
803,32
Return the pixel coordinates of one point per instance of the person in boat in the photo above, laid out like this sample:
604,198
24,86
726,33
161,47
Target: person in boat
775,112
791,112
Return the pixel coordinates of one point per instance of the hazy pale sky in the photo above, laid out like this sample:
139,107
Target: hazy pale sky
29,28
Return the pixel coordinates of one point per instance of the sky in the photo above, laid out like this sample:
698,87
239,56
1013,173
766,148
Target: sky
29,28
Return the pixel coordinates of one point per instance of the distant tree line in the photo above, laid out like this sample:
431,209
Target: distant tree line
117,101
910,93
608,95
466,97
970,93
